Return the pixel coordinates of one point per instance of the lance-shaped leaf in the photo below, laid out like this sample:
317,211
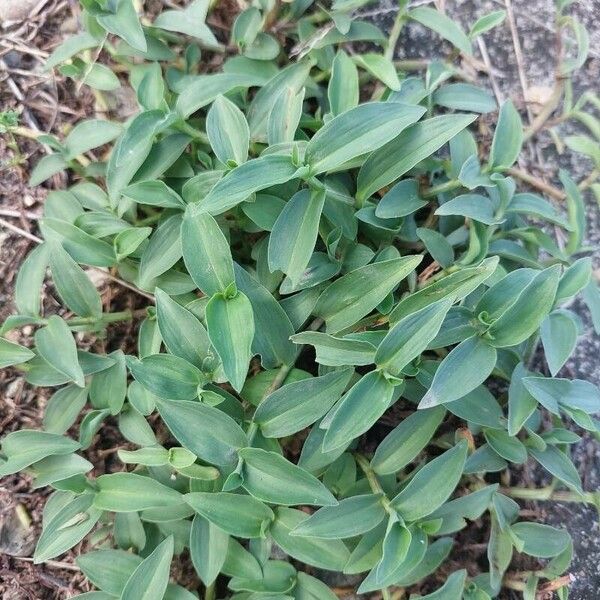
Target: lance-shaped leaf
206,252
508,137
323,554
358,410
468,365
227,131
404,443
358,131
254,175
124,22
57,347
230,324
237,514
66,527
542,541
336,351
559,332
351,517
108,570
560,465
458,285
204,430
443,25
409,337
73,285
166,375
183,334
273,328
150,578
128,492
526,314
356,294
297,405
271,478
190,21
432,485
395,548
26,446
283,120
294,233
13,354
208,548
405,151
342,91
451,590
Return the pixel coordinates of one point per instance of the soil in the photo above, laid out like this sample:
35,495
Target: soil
48,102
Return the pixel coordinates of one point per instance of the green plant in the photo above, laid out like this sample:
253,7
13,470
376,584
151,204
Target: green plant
322,232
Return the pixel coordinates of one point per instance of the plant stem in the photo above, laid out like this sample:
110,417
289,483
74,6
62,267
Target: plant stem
549,493
395,34
448,186
209,592
374,484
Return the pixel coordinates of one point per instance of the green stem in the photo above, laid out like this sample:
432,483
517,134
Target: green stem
374,484
395,34
448,186
185,127
210,591
549,493
124,315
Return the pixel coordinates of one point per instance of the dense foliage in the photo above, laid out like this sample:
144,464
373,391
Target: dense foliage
344,292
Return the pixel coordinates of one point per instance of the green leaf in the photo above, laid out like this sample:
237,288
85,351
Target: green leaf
190,21
273,328
539,540
508,447
468,365
69,47
357,131
536,206
48,165
295,232
230,324
109,387
131,150
451,590
487,22
356,294
63,408
432,485
458,285
125,24
237,514
271,478
380,67
26,446
473,206
309,588
89,134
30,279
442,25
464,96
402,153
208,549
342,91
404,443
527,312
337,351
395,548
162,251
297,405
323,554
410,336
206,253
358,410
13,354
559,333
153,193
183,334
508,138
56,345
246,179
67,527
150,578
128,492
437,245
204,430
559,465
227,131
73,285
166,375
108,570
351,517
285,117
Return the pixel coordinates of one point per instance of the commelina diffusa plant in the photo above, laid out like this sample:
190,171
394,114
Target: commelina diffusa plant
322,241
